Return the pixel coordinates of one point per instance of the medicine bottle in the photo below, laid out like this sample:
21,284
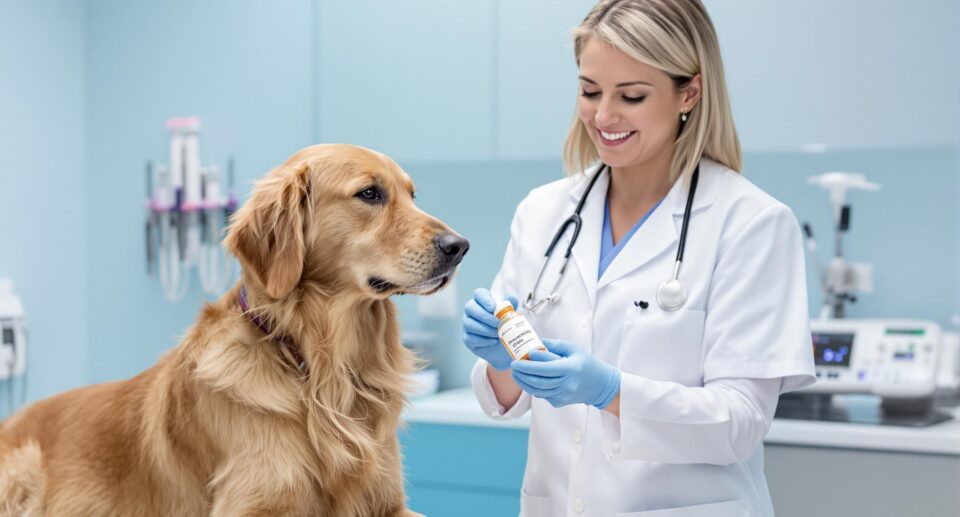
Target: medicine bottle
515,332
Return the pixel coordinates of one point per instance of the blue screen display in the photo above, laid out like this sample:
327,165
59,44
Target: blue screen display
832,349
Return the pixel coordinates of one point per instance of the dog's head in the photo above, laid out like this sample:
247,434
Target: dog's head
344,217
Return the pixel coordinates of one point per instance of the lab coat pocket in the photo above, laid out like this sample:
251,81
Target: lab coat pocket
533,506
663,345
735,508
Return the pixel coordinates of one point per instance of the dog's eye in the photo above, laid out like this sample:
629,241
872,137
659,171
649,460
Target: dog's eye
370,194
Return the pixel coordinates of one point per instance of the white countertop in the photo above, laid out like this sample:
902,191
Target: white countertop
460,407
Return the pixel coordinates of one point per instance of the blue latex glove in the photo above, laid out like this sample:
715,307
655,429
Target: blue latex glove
480,329
567,375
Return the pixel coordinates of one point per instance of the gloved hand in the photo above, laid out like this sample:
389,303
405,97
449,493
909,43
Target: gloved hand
480,329
567,375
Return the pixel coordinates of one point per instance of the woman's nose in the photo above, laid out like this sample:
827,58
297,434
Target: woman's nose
605,117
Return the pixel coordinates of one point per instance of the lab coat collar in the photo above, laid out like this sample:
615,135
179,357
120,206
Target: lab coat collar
655,237
586,252
711,174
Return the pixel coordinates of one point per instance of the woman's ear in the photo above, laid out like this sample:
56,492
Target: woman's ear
267,233
690,94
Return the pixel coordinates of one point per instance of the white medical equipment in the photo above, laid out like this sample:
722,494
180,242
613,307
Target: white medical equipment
840,278
901,361
13,341
671,295
187,209
895,359
890,372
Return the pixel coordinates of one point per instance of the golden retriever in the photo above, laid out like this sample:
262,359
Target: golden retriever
290,408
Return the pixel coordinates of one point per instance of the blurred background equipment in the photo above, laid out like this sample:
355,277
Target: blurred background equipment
839,279
187,211
899,363
13,344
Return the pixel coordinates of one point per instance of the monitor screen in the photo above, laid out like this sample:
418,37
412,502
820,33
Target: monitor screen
832,349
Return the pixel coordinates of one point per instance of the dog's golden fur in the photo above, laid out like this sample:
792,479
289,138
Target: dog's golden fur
226,424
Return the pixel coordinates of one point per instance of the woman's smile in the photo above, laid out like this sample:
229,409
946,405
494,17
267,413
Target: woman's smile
613,138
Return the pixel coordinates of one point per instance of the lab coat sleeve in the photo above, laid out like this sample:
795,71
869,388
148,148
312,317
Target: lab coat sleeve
756,345
488,399
721,423
506,282
757,323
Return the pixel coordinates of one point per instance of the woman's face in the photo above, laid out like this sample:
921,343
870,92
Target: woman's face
631,110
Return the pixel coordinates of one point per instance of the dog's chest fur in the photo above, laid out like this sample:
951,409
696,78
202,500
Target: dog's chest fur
330,434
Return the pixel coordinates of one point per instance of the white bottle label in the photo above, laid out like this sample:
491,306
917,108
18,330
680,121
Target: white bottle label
518,336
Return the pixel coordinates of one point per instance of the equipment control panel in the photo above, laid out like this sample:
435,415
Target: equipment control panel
890,358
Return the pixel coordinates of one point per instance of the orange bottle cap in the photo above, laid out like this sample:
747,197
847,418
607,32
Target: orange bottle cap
503,307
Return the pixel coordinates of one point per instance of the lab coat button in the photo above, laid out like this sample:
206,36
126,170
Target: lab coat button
577,437
578,506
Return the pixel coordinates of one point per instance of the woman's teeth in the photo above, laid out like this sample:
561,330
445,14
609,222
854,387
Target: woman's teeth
615,136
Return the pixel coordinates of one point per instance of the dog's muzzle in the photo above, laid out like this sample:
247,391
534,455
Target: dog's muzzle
450,249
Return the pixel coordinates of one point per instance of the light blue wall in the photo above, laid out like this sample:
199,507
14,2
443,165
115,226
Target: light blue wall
412,79
42,187
473,98
849,74
907,230
245,68
956,96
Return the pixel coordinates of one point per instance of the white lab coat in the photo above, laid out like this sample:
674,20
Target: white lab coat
699,385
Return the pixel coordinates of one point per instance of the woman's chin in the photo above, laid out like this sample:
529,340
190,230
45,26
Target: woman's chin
615,159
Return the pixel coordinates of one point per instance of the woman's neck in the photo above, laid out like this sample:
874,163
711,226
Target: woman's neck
636,188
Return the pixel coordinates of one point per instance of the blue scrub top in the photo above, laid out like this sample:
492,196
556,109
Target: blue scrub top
607,249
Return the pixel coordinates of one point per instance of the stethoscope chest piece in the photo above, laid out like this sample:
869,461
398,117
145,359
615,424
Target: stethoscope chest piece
671,295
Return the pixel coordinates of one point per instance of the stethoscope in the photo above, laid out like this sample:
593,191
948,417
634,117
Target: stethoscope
671,295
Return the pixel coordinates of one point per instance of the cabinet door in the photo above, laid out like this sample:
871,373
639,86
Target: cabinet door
455,470
411,79
826,481
456,502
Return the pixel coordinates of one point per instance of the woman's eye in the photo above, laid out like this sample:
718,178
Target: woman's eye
371,194
634,100
589,95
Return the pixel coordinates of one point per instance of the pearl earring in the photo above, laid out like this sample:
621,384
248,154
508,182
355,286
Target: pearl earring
683,116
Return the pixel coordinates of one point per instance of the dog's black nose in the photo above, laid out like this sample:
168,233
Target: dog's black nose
453,246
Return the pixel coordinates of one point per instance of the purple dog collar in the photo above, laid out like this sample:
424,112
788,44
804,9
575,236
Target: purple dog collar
262,325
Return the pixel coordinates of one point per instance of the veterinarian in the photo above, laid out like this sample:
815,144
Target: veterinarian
682,314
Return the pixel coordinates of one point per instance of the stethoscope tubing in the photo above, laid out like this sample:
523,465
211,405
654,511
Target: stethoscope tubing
686,213
577,221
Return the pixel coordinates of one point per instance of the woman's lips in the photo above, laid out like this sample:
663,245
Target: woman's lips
617,137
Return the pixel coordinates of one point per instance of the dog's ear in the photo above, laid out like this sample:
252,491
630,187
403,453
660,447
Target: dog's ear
267,233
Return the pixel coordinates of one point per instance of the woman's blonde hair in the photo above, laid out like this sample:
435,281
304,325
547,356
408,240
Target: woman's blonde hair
677,37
